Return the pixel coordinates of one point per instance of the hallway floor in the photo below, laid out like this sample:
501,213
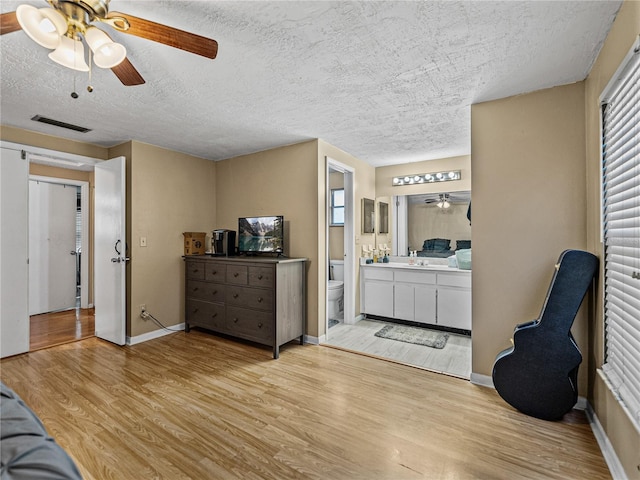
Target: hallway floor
56,328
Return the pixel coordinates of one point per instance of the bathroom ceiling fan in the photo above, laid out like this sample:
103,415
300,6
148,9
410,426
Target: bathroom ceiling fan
64,26
441,200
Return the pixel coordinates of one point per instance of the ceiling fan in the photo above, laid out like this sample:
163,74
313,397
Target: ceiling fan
442,201
64,25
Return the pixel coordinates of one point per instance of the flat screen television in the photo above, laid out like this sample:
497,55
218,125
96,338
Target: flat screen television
261,235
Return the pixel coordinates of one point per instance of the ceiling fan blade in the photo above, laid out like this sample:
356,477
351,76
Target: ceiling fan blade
127,73
173,37
9,23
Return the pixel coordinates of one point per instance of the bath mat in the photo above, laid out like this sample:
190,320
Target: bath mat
419,336
333,322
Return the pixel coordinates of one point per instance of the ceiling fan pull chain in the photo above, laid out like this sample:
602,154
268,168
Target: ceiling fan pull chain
74,95
90,87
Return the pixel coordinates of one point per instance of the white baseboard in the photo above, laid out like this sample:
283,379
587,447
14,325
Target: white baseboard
613,462
314,340
482,380
161,332
581,404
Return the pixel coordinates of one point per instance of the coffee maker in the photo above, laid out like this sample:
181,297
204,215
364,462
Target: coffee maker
223,242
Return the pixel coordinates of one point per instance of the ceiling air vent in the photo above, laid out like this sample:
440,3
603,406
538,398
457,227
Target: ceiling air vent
58,123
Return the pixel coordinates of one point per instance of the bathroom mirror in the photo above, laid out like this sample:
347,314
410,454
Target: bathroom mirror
432,216
368,215
383,217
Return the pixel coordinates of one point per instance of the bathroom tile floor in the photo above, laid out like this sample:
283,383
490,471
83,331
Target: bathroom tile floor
454,359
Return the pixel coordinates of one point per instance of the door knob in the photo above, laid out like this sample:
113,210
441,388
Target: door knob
116,259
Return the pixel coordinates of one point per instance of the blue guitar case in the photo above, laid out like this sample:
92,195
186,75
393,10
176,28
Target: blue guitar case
539,374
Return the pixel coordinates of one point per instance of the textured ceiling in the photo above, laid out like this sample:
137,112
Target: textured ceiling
388,82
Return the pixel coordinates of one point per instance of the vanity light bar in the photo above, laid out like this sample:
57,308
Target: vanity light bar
417,178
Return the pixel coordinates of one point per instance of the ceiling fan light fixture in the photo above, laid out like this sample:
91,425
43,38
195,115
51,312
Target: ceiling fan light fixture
106,52
70,54
44,26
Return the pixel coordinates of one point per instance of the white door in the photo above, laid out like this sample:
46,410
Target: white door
52,246
14,306
110,251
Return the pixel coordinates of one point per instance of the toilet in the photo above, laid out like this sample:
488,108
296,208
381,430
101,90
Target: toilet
336,288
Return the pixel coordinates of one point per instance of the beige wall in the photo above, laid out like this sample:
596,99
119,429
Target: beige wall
170,193
27,137
281,181
619,429
528,206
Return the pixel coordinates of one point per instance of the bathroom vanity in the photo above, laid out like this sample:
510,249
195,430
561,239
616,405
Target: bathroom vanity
430,294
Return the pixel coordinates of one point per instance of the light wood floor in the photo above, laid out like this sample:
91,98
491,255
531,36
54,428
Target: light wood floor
198,406
56,328
454,359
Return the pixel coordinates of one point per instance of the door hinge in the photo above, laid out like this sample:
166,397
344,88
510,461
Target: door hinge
23,155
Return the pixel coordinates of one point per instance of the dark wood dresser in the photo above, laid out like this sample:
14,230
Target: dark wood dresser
261,299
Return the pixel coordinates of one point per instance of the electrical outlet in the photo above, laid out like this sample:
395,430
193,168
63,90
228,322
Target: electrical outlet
143,241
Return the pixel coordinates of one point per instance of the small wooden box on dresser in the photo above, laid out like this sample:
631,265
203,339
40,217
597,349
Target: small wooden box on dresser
261,299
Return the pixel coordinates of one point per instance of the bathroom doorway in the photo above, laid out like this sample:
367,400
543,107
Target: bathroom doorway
340,245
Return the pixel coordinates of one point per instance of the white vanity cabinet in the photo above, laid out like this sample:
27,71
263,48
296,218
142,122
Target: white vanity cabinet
378,284
435,296
454,300
414,296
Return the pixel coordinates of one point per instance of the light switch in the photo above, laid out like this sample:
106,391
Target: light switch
143,241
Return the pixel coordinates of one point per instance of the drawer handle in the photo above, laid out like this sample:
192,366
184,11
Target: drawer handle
235,274
196,289
259,299
195,310
214,292
259,325
214,272
259,277
195,271
235,295
214,315
235,320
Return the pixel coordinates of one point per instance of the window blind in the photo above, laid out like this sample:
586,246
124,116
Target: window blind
621,235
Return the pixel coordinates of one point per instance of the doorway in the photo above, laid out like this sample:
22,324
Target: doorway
340,242
58,277
17,160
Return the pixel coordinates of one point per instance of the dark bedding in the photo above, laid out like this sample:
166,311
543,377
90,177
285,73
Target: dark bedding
441,247
435,254
27,452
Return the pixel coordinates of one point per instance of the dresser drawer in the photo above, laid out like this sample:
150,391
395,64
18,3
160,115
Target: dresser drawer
209,292
205,314
216,272
257,298
237,274
250,324
195,270
261,277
